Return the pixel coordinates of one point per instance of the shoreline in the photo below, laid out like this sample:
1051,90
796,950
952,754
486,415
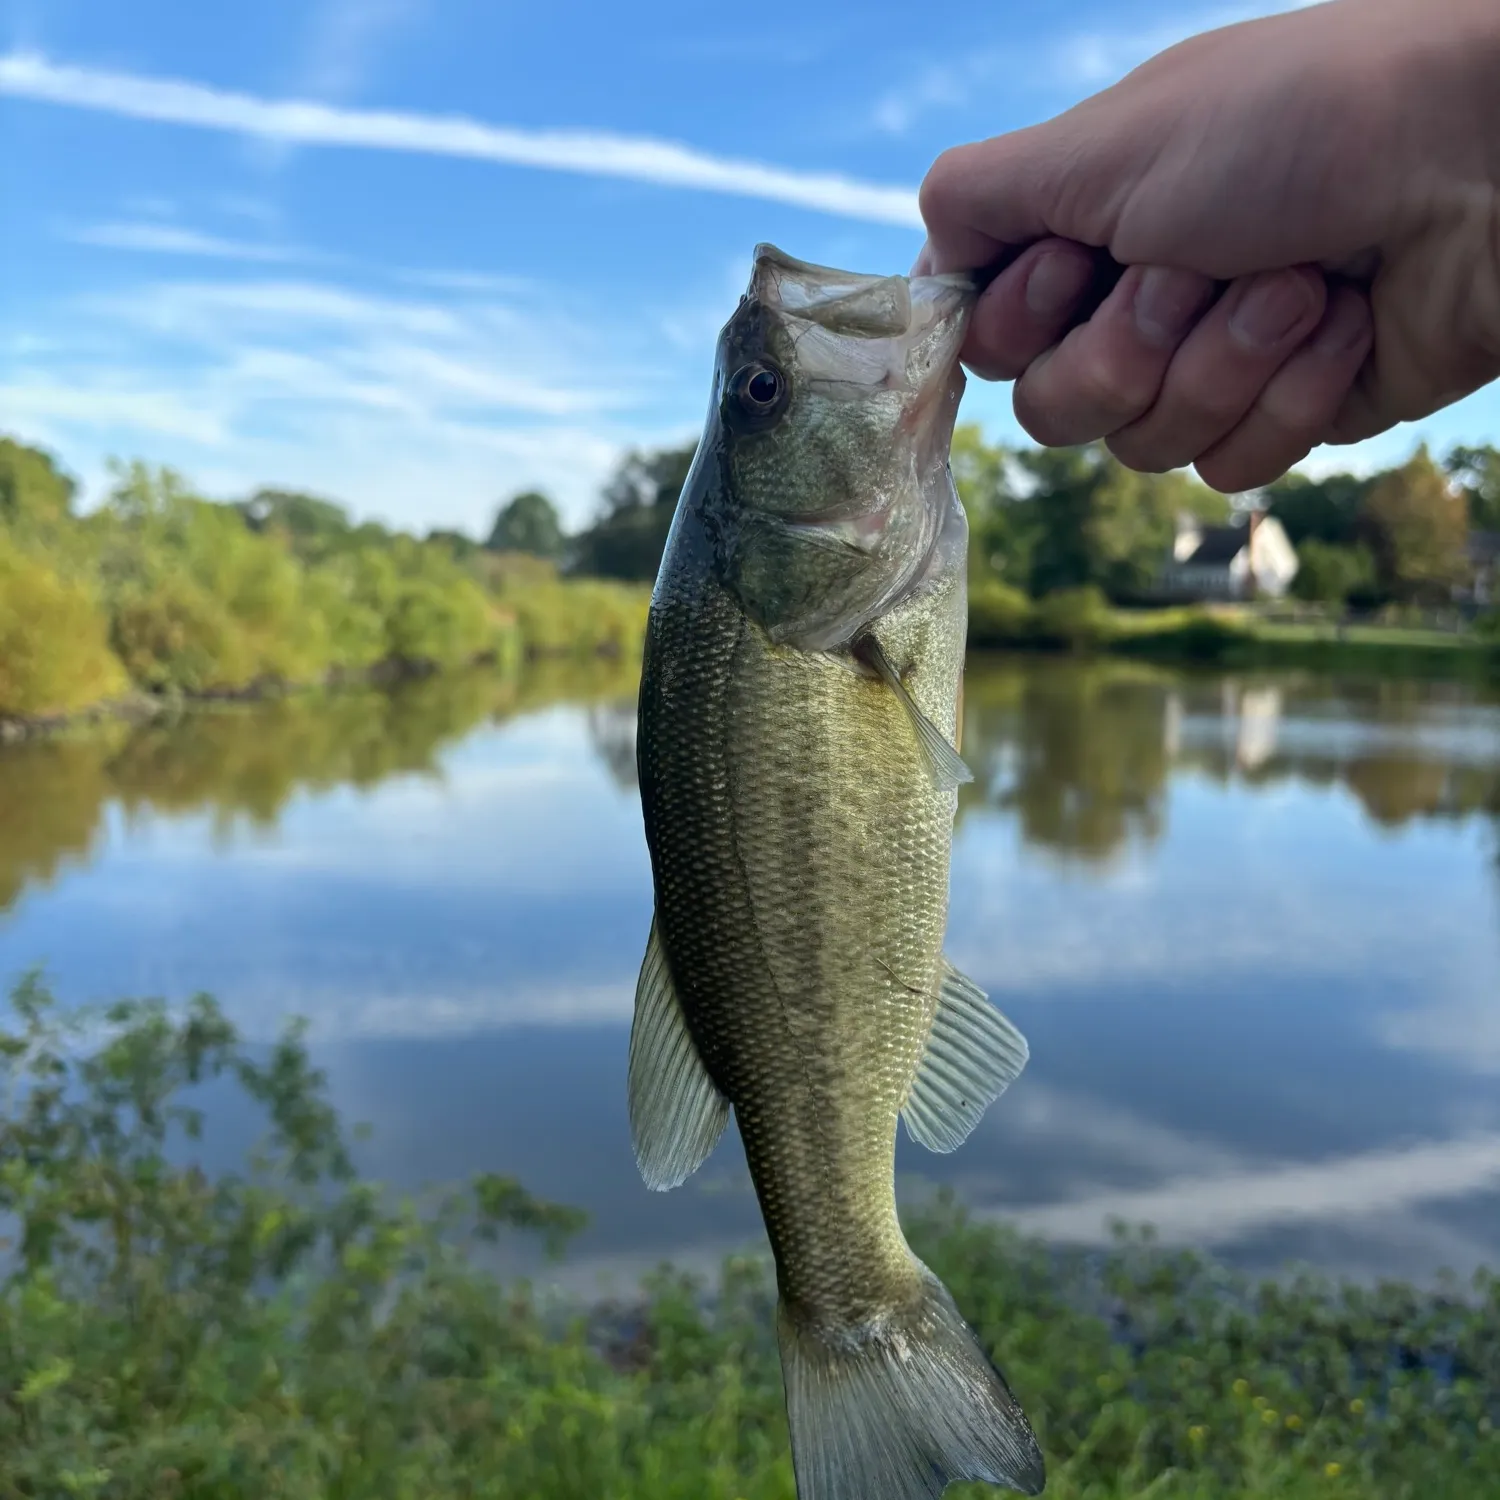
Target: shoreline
140,707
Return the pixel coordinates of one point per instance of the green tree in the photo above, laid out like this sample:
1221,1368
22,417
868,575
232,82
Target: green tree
1416,522
1002,528
315,527
1477,470
1323,510
628,539
1330,574
527,523
1098,523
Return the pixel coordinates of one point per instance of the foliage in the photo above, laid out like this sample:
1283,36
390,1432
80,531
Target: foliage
1477,471
1042,520
528,523
182,595
1417,524
628,539
54,647
1072,616
1328,573
1323,510
291,1331
36,497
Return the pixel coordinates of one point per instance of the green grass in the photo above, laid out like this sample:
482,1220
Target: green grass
1081,620
289,1331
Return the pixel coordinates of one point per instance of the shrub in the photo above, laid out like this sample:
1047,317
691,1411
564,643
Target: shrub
1076,617
54,641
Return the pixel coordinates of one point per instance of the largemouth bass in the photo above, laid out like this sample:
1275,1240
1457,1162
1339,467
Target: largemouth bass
798,771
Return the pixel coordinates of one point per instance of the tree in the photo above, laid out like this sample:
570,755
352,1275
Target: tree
1328,574
1477,470
628,539
456,544
1096,522
33,488
1323,510
1416,522
314,527
528,523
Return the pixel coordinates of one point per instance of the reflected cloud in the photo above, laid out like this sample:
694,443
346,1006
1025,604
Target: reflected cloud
1220,1209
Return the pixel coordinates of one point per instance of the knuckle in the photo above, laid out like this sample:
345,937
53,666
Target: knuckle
1108,381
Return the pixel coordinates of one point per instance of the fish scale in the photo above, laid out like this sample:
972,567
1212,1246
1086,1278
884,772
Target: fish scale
798,703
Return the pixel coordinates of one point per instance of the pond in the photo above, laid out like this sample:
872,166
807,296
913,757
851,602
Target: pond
1250,926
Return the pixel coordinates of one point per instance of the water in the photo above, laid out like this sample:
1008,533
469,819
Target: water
1250,926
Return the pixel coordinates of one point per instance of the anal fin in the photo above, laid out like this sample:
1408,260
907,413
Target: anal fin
973,1055
677,1114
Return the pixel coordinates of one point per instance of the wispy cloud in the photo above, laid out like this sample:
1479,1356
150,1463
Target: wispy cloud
345,38
168,239
421,407
1077,61
1226,1206
593,153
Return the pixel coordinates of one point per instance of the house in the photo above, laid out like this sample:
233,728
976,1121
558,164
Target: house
1484,568
1250,560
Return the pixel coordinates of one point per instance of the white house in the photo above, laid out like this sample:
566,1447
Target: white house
1249,560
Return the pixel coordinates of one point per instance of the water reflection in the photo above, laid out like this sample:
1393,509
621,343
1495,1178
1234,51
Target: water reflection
1248,923
241,765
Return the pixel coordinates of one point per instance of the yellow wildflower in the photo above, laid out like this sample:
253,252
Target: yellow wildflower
1333,1470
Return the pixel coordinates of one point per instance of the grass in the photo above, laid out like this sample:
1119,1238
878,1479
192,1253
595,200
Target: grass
289,1331
1081,620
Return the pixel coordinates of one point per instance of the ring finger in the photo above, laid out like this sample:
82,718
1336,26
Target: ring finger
1222,367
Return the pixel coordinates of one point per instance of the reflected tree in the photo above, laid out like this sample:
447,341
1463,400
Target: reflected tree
242,765
1078,751
612,735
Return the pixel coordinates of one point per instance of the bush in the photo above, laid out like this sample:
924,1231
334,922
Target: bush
291,1331
1076,617
175,637
999,615
1329,574
54,641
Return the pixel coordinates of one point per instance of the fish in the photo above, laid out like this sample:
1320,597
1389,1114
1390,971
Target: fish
798,763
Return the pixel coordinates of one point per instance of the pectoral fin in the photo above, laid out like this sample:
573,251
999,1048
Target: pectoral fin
943,761
973,1055
676,1113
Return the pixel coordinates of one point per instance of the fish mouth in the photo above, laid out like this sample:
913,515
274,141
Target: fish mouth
854,305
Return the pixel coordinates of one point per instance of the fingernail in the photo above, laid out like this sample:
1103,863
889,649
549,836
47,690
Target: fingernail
1167,303
1270,307
1346,327
1056,282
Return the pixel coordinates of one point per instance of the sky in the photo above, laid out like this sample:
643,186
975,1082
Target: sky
417,255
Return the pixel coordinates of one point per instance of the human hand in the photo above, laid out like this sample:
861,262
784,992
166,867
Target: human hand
1274,235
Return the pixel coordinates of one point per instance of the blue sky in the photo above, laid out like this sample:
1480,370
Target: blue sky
417,254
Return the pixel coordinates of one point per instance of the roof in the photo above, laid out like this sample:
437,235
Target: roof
1220,545
1484,546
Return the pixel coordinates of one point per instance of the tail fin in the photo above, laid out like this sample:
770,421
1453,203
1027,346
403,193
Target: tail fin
902,1411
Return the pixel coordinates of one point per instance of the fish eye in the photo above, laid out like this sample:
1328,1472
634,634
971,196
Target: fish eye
758,394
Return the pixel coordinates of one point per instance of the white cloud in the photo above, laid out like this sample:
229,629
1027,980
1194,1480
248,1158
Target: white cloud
595,153
1222,1207
344,39
1080,61
167,239
419,408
